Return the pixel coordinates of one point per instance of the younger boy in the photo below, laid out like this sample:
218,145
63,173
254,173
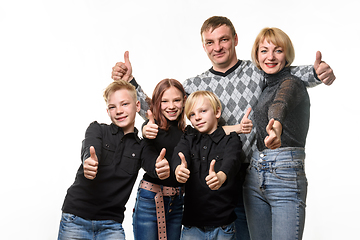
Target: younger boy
210,161
111,157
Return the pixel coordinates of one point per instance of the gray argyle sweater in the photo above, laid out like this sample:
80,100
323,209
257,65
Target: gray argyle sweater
238,89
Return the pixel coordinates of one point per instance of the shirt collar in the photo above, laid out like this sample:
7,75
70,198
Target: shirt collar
227,72
217,135
116,129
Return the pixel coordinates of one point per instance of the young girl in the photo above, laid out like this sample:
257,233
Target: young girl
159,203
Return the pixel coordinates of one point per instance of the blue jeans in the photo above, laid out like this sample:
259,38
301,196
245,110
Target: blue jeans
209,233
275,191
74,227
144,217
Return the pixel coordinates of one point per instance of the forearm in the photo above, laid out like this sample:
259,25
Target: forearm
141,95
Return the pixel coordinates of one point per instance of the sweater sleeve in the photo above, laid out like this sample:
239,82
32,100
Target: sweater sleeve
307,74
287,97
141,95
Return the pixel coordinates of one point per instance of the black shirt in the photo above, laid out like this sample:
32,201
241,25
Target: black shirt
285,99
168,140
203,206
120,157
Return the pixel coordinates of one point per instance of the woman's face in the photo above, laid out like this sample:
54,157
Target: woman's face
271,58
172,103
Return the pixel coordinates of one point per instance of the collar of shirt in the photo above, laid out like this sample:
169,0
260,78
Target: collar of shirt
227,72
116,129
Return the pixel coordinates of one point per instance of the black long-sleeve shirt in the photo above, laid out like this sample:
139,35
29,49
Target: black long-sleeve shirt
203,206
120,158
285,99
168,140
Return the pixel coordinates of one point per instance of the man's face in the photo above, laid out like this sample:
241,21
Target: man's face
219,45
122,109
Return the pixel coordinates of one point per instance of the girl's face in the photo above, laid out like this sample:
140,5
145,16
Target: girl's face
271,58
172,103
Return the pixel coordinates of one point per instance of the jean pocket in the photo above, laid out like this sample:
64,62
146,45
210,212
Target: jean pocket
288,174
68,217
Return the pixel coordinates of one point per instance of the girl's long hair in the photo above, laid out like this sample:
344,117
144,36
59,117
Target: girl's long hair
155,103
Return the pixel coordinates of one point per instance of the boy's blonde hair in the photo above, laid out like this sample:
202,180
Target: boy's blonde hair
201,95
118,85
279,39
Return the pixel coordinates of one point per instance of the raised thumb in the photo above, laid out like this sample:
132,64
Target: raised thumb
317,60
93,153
212,167
150,116
183,160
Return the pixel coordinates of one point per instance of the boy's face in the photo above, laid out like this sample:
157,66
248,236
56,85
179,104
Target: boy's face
122,109
203,118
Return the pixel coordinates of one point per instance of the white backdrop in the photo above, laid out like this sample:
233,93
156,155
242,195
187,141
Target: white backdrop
56,59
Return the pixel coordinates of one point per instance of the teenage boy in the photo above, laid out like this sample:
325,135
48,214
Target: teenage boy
207,161
111,157
238,83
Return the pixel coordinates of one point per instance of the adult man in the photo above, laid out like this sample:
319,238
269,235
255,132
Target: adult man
237,83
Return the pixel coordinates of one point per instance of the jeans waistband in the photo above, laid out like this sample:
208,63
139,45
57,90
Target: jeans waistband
282,157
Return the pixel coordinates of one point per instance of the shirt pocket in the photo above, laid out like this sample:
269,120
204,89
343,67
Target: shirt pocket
218,157
130,162
107,155
195,163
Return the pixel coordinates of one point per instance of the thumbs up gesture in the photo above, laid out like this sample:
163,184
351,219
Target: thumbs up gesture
91,165
150,130
215,180
274,129
181,172
162,166
323,70
246,124
122,70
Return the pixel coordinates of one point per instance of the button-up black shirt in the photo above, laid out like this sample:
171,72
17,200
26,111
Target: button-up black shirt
120,158
203,206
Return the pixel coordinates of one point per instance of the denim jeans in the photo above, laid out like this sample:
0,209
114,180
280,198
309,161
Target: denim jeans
209,233
275,191
145,220
74,227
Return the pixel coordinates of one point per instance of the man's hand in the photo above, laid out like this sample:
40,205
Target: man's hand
91,165
162,166
150,130
246,124
215,180
274,129
181,172
122,70
323,70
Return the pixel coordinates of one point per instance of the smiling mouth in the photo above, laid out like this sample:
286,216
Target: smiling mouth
120,119
172,113
200,124
271,65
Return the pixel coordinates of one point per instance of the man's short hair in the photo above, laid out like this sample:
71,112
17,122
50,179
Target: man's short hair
215,22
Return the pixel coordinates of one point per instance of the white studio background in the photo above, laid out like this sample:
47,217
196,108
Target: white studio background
56,59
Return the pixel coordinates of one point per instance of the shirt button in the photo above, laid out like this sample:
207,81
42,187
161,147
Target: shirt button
203,158
133,154
204,147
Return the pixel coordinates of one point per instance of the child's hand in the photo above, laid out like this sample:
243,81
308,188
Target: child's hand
274,129
91,165
122,70
162,166
215,180
181,172
150,130
246,124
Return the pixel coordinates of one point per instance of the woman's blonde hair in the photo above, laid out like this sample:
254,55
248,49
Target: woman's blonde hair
278,38
201,96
